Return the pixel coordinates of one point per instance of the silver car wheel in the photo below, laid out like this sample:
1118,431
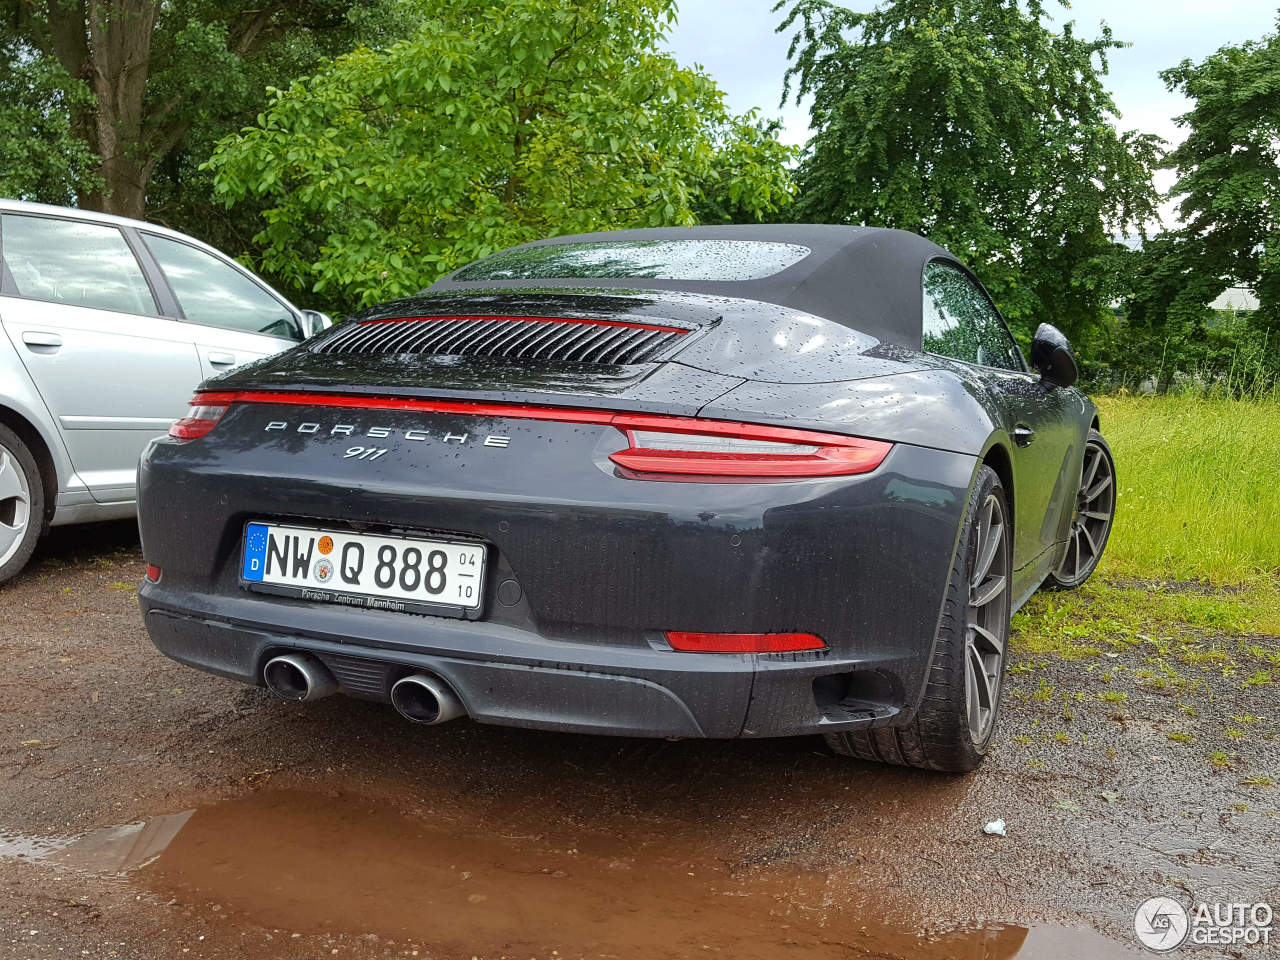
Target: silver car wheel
15,504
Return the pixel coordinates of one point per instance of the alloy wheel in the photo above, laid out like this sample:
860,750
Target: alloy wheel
15,504
987,620
1095,509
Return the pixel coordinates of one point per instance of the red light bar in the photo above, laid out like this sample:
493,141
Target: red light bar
744,642
470,408
716,448
484,317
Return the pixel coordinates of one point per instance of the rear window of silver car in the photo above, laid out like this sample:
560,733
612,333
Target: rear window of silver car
73,262
641,259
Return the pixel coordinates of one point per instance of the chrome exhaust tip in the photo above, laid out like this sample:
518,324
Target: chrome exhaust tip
423,698
298,676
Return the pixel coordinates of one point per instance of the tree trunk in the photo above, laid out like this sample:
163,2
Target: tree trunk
120,51
107,45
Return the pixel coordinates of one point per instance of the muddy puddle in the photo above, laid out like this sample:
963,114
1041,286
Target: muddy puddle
315,864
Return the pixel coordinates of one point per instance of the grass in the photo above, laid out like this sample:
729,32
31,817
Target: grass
1199,486
1189,590
1220,760
1177,637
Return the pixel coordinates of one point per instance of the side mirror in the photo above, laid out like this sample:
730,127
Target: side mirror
1051,355
313,321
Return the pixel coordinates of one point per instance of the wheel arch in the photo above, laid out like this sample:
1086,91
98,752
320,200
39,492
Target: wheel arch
39,447
997,458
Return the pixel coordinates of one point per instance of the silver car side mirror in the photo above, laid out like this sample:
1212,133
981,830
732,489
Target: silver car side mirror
313,321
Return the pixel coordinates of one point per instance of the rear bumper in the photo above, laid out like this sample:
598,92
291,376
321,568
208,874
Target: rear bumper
586,571
524,680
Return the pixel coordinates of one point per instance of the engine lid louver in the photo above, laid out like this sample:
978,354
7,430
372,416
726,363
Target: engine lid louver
541,339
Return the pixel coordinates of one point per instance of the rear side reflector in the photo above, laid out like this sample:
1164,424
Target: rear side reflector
659,447
153,573
203,414
744,642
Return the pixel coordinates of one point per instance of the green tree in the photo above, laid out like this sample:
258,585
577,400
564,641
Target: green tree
40,157
132,84
496,123
1228,171
975,123
746,178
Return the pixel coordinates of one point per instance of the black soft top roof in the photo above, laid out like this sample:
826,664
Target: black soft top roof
866,278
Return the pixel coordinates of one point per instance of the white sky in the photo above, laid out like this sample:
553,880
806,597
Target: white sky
735,41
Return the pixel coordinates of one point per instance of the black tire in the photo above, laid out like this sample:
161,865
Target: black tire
940,736
16,456
1088,536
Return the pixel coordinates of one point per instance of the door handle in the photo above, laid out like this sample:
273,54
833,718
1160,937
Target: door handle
37,339
1023,435
222,359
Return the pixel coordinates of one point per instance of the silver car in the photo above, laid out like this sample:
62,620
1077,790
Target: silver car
108,325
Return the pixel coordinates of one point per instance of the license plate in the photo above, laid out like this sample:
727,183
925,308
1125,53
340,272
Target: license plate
365,570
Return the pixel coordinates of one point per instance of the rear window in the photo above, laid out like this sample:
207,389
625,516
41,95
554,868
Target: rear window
74,262
641,260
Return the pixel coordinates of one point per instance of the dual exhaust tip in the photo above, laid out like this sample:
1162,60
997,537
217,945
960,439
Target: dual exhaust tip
420,697
298,676
424,698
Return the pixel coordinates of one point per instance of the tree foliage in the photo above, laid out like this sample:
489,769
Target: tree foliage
745,179
1228,171
40,156
975,123
496,123
132,84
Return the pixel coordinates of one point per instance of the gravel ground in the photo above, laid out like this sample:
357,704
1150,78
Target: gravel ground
337,829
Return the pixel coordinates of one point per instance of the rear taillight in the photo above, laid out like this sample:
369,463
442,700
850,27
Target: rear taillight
743,642
674,446
203,414
153,573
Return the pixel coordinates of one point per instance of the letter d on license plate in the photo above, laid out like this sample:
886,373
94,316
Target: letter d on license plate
416,574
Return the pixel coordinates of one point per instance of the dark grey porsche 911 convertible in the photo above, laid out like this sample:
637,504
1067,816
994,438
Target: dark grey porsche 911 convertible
709,482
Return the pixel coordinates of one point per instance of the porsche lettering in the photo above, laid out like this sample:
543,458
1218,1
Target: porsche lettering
386,433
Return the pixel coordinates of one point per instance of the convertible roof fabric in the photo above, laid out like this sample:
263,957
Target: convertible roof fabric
866,278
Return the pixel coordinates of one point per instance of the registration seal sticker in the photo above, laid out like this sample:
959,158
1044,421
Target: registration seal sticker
324,568
325,545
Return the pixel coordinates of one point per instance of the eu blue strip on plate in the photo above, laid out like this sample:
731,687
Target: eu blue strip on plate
255,550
